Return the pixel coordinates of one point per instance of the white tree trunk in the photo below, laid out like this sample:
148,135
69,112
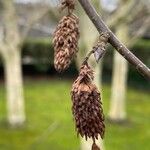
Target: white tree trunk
117,105
98,83
14,87
89,36
86,145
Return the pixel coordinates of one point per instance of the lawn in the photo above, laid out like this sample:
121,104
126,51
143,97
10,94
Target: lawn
49,124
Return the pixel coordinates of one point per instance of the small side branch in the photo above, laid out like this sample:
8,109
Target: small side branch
88,56
99,49
113,40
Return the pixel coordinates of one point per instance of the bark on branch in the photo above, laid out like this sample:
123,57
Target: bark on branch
113,40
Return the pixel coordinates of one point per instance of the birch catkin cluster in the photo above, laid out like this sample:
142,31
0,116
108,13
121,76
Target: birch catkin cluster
87,105
65,40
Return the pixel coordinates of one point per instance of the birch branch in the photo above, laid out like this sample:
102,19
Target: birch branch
113,40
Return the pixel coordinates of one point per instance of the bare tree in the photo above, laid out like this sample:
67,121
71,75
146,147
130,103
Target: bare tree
10,49
117,110
89,38
120,20
86,145
11,54
117,105
113,40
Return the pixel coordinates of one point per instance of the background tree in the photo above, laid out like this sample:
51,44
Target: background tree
10,49
11,54
123,23
120,22
89,37
119,80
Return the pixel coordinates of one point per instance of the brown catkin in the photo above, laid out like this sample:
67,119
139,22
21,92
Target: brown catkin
87,106
65,41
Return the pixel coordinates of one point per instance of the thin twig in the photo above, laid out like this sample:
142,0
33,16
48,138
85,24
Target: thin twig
88,56
101,44
113,40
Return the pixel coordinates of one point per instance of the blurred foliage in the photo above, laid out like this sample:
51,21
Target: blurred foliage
50,125
42,52
42,49
38,49
142,50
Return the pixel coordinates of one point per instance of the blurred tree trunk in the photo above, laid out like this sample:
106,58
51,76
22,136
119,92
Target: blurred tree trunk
14,87
86,145
11,54
117,106
122,20
10,49
89,36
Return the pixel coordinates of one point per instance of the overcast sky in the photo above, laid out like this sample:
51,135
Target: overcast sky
108,5
50,2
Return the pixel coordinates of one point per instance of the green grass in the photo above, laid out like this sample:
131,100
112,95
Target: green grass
49,124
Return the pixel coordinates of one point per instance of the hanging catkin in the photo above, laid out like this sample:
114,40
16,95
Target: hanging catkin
87,106
66,36
65,42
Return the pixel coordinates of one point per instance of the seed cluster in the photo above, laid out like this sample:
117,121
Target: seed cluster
87,106
65,41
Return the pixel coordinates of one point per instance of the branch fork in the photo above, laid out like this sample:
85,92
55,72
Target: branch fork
113,40
99,49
